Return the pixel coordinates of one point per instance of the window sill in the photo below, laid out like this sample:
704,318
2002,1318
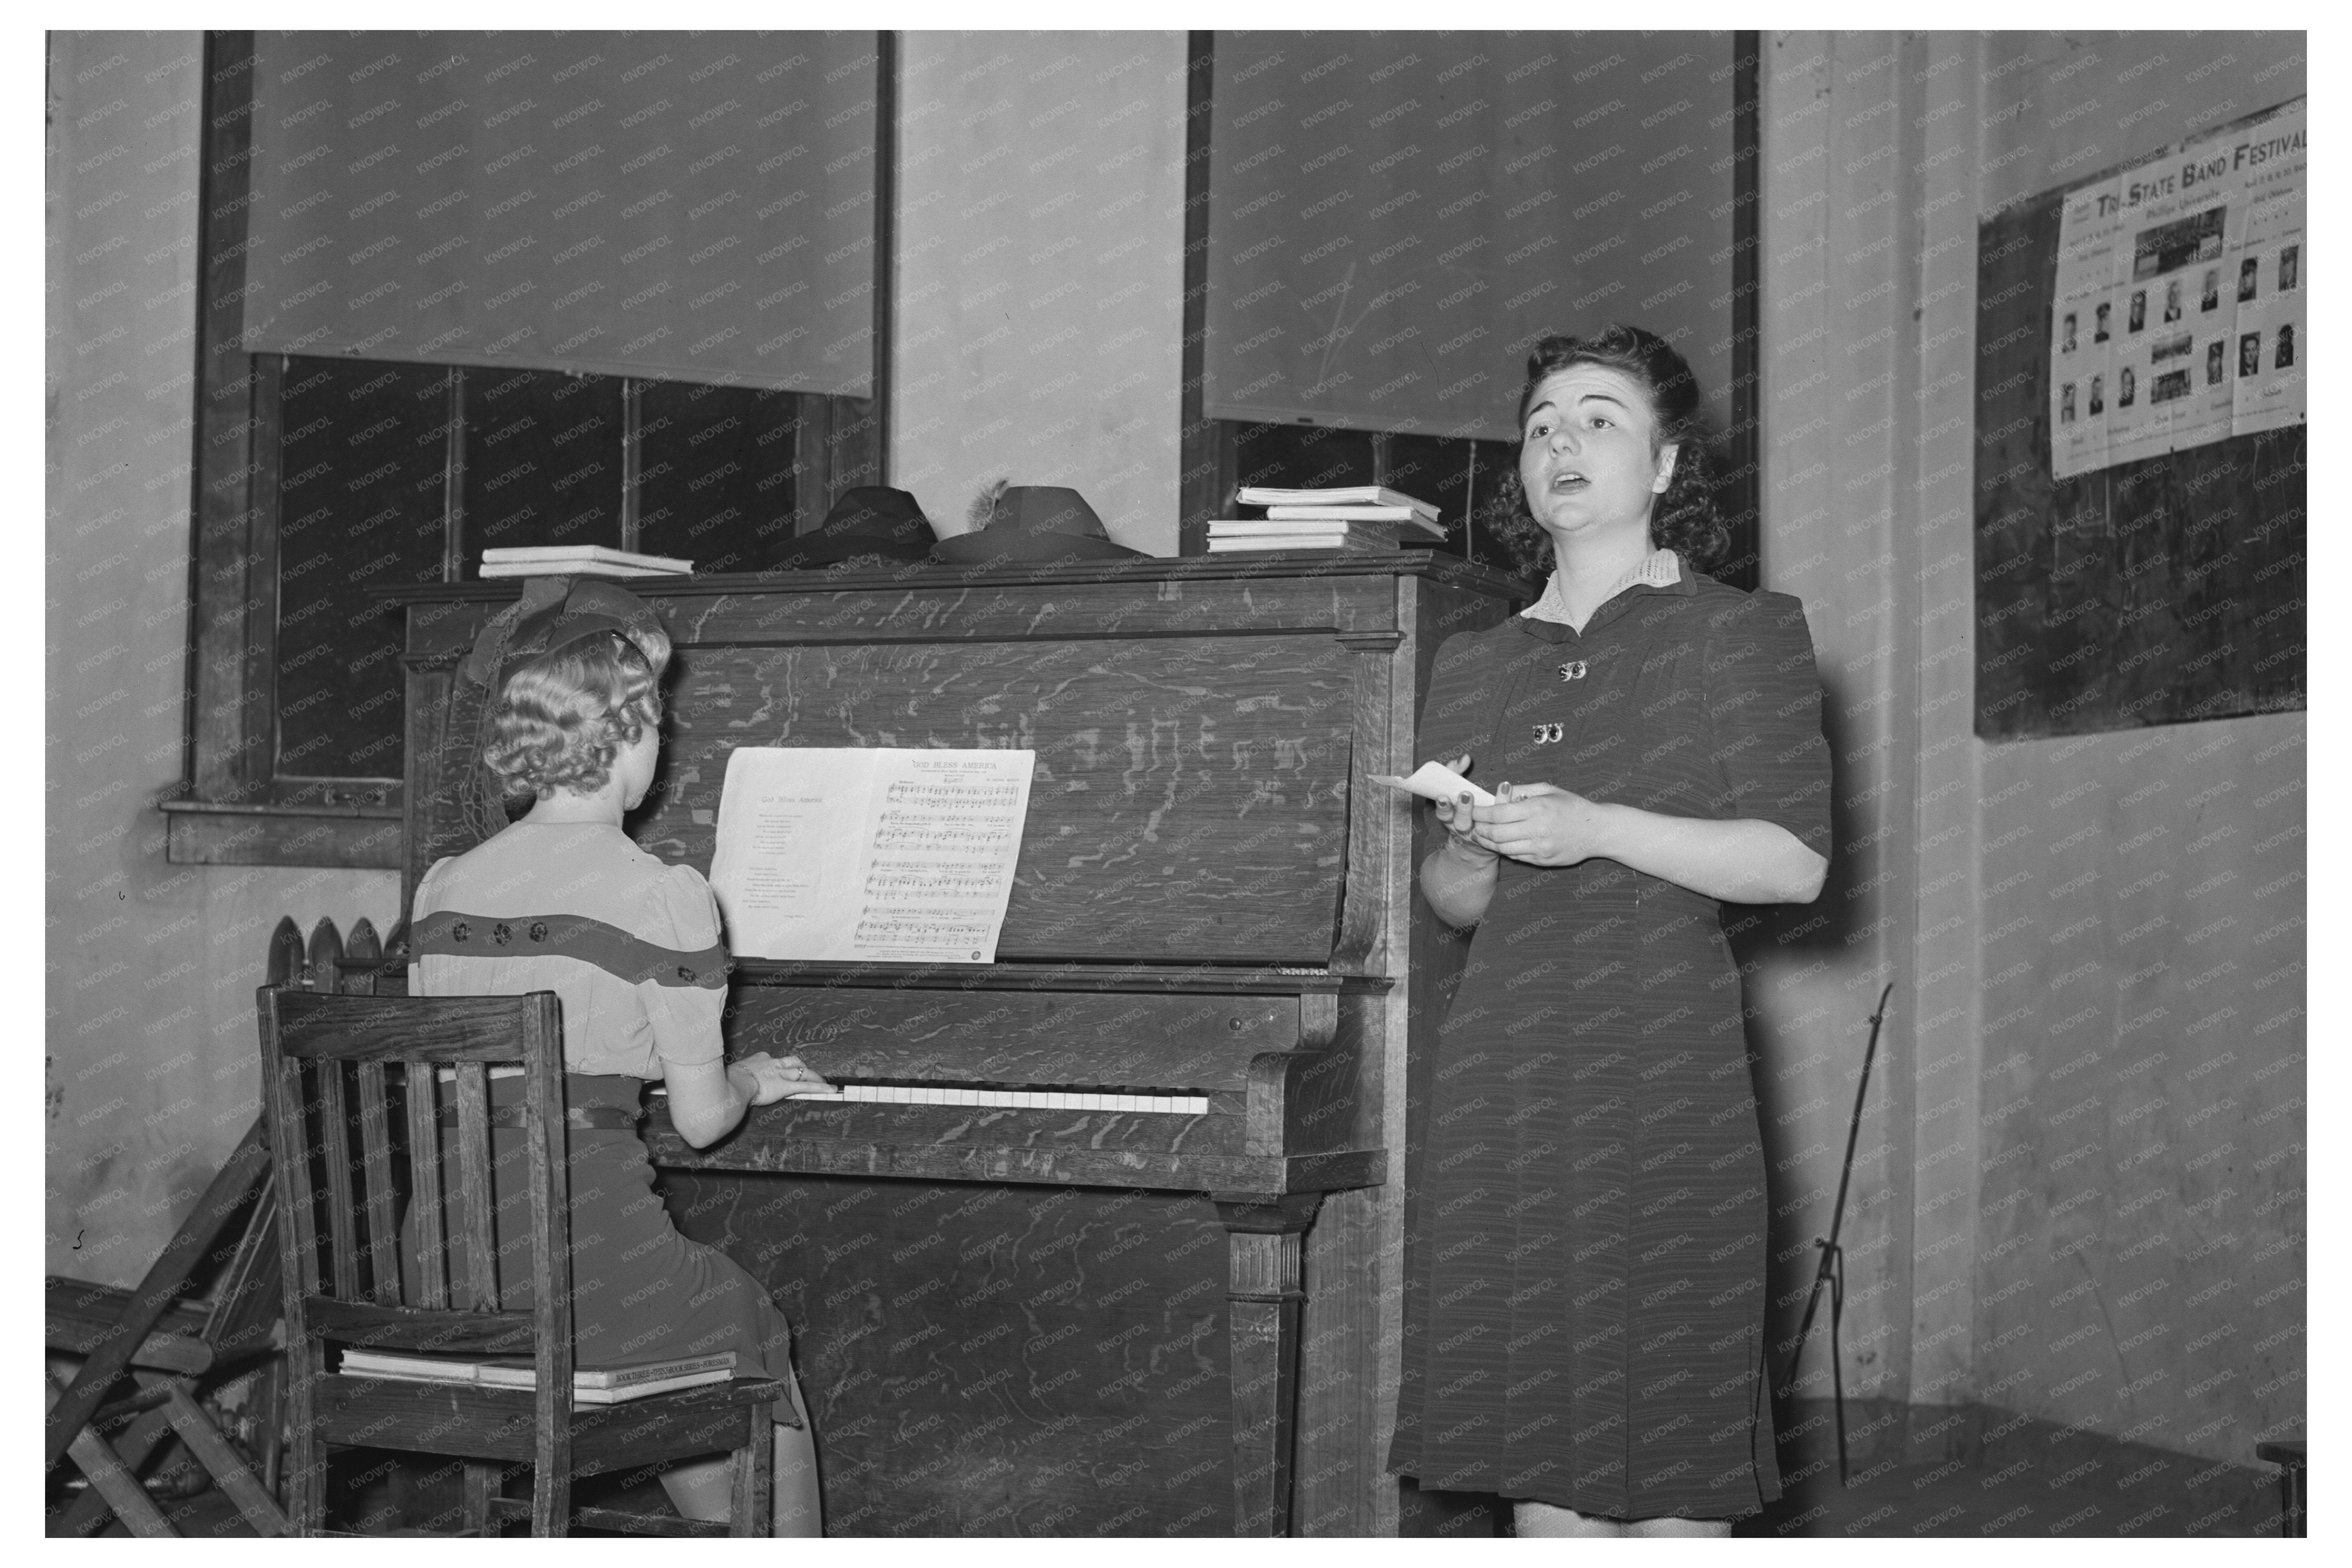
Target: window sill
211,833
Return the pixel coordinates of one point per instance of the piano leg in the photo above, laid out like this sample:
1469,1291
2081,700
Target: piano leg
1263,1238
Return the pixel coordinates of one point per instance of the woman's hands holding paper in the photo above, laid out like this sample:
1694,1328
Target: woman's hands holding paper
1540,823
1457,817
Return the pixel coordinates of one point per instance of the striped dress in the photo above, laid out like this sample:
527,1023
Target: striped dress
1585,1256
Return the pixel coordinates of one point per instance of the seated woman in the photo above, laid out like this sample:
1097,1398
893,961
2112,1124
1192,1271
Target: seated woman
632,948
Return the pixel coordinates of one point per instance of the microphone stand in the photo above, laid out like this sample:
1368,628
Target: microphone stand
1831,1275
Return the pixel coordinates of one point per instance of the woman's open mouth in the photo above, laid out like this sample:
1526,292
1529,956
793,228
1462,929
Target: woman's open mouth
1566,483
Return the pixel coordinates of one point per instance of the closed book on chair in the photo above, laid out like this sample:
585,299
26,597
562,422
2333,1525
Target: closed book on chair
589,1385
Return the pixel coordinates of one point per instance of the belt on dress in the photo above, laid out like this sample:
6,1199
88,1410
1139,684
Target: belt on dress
586,1117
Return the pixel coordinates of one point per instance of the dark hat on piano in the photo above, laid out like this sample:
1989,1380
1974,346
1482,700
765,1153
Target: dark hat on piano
1035,524
868,521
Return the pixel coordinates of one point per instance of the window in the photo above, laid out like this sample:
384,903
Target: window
320,478
1456,475
1377,226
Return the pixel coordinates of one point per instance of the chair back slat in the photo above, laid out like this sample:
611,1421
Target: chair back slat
550,1204
335,1153
375,1174
288,1133
427,1203
476,1201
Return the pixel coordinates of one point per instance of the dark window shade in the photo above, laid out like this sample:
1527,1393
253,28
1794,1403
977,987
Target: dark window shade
651,204
1395,218
362,463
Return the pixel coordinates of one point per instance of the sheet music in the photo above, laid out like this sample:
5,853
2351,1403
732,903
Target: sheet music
869,853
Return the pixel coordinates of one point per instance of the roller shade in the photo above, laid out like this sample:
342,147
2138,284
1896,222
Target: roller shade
1395,217
698,207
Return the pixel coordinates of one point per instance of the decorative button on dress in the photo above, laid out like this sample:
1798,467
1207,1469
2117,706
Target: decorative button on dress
631,947
1585,1257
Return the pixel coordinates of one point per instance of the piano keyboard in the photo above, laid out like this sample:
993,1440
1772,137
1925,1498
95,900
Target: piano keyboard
1006,1098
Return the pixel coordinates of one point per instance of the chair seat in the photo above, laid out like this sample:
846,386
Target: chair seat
495,1423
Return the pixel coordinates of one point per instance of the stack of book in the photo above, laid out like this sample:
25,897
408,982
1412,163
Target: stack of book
579,561
1351,517
589,1385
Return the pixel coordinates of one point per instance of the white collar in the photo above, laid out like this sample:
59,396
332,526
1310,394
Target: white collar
1659,569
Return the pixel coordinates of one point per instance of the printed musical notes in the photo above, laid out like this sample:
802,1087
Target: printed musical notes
869,853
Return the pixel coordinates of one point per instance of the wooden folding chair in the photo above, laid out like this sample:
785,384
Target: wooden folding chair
330,1062
169,1348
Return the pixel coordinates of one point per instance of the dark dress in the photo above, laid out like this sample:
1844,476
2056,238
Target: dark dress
1585,1262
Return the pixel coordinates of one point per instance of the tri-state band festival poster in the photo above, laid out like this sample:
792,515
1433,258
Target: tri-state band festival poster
2178,315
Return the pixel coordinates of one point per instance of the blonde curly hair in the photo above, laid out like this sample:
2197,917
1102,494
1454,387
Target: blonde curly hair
566,715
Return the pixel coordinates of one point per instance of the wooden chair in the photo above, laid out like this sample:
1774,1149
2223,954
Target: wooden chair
330,1062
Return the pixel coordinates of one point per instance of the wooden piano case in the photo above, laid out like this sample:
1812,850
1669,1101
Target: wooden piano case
1025,1316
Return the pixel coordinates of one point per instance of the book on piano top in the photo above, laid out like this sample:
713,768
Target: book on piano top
579,561
589,1385
1341,536
1396,514
1342,495
1335,534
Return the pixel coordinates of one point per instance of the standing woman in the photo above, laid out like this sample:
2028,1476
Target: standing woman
1585,1292
561,900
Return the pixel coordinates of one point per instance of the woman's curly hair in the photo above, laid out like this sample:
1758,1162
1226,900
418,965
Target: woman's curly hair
1683,520
564,716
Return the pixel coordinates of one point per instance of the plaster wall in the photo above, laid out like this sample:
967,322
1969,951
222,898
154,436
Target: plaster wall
2080,1195
2140,1246
1039,257
151,967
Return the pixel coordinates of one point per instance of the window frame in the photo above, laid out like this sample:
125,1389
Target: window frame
235,808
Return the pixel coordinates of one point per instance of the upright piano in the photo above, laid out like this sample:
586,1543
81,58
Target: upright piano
1105,1236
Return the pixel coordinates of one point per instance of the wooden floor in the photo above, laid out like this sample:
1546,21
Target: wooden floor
1886,1500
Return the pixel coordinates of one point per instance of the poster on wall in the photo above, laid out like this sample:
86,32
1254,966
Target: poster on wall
2178,314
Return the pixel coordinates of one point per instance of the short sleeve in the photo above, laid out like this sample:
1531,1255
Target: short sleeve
1764,697
1454,707
428,889
681,913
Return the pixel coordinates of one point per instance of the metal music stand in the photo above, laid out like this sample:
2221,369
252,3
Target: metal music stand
1831,1275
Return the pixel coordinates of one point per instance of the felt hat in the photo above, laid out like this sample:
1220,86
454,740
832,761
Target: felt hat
554,612
868,520
1032,524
